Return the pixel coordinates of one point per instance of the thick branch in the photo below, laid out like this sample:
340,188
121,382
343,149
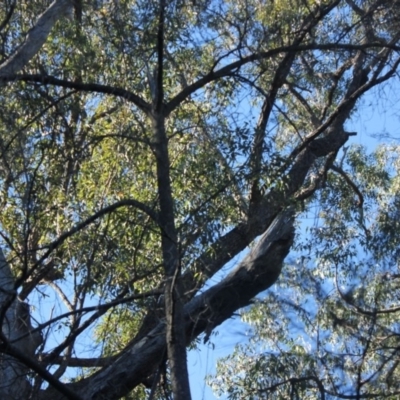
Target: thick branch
15,331
236,240
159,95
258,271
176,346
35,39
85,362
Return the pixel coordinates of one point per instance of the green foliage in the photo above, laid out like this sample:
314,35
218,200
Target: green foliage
247,89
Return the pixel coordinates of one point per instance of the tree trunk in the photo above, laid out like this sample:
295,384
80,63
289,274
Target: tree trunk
16,328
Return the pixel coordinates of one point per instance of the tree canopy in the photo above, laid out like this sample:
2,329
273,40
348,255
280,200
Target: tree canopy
144,145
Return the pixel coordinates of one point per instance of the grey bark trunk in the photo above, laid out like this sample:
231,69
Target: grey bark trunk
15,331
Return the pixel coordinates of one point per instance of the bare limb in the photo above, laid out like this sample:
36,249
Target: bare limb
83,87
35,38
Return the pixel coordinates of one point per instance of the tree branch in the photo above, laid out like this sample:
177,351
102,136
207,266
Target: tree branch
35,39
99,307
65,390
159,95
228,69
106,210
84,87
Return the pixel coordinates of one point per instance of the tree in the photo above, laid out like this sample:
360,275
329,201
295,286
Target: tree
330,330
143,146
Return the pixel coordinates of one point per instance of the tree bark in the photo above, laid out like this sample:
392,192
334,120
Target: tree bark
175,335
16,327
35,38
